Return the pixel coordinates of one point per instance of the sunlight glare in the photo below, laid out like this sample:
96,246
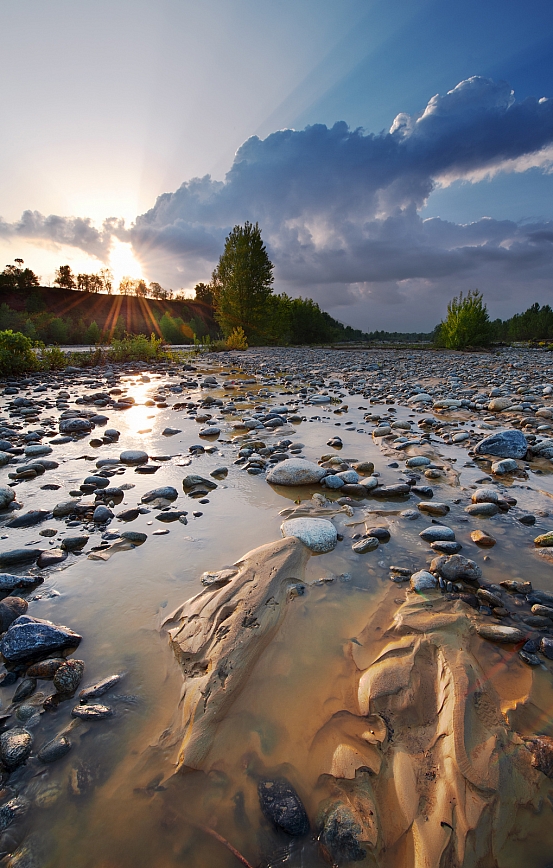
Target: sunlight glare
123,262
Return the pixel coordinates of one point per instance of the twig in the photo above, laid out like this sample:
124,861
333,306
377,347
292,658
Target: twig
224,842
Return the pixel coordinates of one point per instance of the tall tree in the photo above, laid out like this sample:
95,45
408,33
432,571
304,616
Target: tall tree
242,284
65,278
204,293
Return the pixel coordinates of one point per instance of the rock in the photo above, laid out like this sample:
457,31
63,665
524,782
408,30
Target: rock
350,477
170,432
99,688
5,458
51,557
46,668
527,519
544,539
544,611
369,483
482,539
128,514
25,688
364,468
55,749
75,426
7,496
133,456
341,831
30,637
382,431
400,489
69,676
102,514
482,509
74,543
318,534
295,471
65,508
382,534
134,537
499,633
37,449
193,480
210,431
506,465
546,647
19,556
504,444
446,547
92,712
167,492
485,495
15,747
433,508
418,461
498,404
334,482
437,532
10,609
10,811
423,581
367,544
456,567
28,519
282,806
8,582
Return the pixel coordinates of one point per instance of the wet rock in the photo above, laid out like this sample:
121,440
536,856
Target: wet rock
170,432
506,465
382,534
35,450
546,647
482,509
8,582
19,556
488,598
7,496
400,489
133,456
423,581
499,633
446,547
11,810
99,688
166,492
28,519
527,519
482,539
135,537
485,495
504,444
528,658
433,508
15,747
55,749
544,540
24,689
210,431
75,426
45,669
193,481
367,544
65,508
295,471
456,567
219,472
69,676
92,712
5,458
517,587
541,748
30,637
418,461
128,514
543,611
333,481
364,468
74,543
10,609
318,534
102,514
340,835
282,806
437,532
51,557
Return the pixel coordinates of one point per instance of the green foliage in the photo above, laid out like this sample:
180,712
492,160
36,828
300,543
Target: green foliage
65,278
93,333
237,339
136,348
204,293
53,359
198,327
467,323
242,283
16,353
534,324
14,278
174,329
58,333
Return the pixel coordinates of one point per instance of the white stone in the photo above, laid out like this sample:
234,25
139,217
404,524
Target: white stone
295,471
318,534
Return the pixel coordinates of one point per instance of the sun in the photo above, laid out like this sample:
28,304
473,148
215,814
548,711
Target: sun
123,262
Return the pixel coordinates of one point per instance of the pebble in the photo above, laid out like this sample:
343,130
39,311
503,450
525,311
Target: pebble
500,633
504,444
423,581
482,539
433,508
133,456
455,567
318,534
368,544
295,471
55,749
437,532
482,509
92,712
15,747
68,676
282,806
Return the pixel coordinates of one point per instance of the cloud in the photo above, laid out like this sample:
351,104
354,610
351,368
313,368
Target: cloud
73,231
339,210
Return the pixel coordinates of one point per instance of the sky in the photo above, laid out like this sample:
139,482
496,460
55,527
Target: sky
394,152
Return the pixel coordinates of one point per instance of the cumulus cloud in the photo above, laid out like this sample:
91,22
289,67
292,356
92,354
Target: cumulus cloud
339,209
73,231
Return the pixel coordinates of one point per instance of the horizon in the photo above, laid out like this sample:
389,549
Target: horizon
393,154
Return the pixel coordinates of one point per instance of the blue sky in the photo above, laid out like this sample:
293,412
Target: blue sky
109,105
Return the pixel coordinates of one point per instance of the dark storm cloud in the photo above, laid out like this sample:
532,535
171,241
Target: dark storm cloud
74,231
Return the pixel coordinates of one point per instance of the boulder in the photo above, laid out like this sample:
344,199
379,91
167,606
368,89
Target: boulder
296,471
31,637
456,567
504,444
318,534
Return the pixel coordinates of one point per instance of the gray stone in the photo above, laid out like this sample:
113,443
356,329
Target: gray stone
11,810
318,534
134,537
485,495
437,532
37,449
65,508
433,508
295,471
282,806
506,465
8,581
69,676
167,492
92,712
133,456
99,688
367,544
28,519
456,567
30,637
7,496
15,747
75,426
55,749
193,480
102,514
482,509
211,431
446,547
51,557
499,633
423,581
74,543
10,609
504,444
5,458
333,481
18,556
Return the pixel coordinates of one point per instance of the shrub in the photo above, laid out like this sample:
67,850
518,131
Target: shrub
136,348
93,333
16,353
53,359
467,323
237,339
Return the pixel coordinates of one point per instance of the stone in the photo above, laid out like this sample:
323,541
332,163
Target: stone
29,519
193,480
170,432
318,534
455,567
423,581
504,444
437,532
128,514
69,676
295,471
485,495
367,544
364,468
92,712
75,426
65,508
433,508
50,558
5,458
15,747
8,582
499,633
30,637
133,456
369,483
25,688
399,489
210,431
544,539
282,806
10,811
482,539
506,465
350,477
55,749
19,556
546,647
46,668
167,492
334,482
7,496
135,537
499,404
482,509
340,833
10,609
102,514
37,449
99,688
74,543
418,461
446,547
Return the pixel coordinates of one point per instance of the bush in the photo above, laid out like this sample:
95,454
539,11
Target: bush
93,333
467,323
136,348
16,354
237,339
53,359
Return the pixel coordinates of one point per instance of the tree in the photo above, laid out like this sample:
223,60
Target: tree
241,283
204,293
65,278
92,334
57,331
18,279
467,323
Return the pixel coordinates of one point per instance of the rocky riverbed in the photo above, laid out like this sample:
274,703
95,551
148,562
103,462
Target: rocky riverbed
370,683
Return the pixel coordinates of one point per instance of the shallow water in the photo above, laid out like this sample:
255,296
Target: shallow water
114,800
